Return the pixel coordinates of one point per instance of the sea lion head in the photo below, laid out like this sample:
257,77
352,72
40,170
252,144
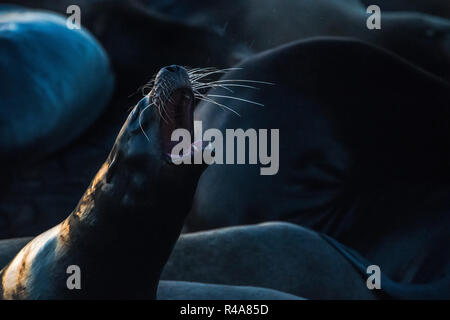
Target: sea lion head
142,151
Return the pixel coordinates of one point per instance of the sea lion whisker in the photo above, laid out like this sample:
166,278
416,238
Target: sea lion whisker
205,80
158,103
198,70
148,85
230,85
214,86
235,98
140,119
167,99
243,80
161,107
170,99
168,88
165,87
167,114
208,70
196,78
165,95
205,69
206,99
191,70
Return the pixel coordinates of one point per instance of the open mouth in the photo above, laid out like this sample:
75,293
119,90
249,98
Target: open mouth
177,113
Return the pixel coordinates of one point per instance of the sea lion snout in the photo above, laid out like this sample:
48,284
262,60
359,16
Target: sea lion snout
168,79
175,70
173,97
146,138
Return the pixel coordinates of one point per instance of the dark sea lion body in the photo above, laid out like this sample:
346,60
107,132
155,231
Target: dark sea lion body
364,154
51,76
434,7
214,265
34,199
280,256
175,290
183,290
117,213
420,38
116,235
213,34
310,267
372,180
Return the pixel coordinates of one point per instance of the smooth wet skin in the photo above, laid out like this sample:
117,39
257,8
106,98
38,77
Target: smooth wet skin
422,39
364,157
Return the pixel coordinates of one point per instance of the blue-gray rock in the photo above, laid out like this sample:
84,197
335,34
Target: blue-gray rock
54,82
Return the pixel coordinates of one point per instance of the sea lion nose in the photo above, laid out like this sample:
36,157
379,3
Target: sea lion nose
174,73
173,68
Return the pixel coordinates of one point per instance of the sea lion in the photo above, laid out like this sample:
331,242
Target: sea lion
51,76
290,259
37,197
420,38
284,257
183,290
175,290
434,7
363,154
127,219
280,256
